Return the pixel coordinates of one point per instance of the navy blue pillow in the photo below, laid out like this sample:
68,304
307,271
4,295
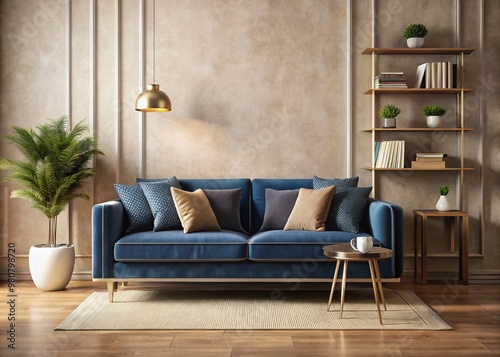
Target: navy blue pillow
347,209
319,182
136,206
162,203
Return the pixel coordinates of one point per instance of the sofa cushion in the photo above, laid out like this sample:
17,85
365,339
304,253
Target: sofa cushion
348,204
175,245
162,204
311,209
222,184
194,210
136,206
259,195
279,205
347,209
319,182
226,207
295,245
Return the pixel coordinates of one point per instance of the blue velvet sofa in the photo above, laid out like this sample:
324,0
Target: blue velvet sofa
231,256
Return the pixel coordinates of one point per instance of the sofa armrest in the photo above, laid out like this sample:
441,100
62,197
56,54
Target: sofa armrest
384,221
108,225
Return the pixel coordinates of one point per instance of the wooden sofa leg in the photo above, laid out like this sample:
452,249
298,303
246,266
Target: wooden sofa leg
112,286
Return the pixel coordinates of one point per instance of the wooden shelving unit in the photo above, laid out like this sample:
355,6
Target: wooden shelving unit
460,130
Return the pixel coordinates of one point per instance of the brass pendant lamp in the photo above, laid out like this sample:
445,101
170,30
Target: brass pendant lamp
153,99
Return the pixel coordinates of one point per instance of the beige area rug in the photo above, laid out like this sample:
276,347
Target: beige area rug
250,310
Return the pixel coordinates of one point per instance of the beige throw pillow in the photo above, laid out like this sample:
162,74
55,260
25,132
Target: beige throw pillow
194,210
311,209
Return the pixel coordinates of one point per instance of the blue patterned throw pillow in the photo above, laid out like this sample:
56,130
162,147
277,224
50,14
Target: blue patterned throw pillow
319,182
347,209
136,206
162,203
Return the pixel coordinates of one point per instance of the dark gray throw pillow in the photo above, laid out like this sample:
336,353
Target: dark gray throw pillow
279,205
226,207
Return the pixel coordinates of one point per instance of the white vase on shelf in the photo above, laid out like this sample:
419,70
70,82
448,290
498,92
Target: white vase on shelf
443,204
433,121
415,42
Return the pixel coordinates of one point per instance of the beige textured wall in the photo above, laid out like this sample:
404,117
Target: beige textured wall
258,89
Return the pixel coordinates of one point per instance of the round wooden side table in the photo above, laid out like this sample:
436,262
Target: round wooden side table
343,252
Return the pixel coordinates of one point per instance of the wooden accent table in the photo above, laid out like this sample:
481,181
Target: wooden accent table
463,253
343,252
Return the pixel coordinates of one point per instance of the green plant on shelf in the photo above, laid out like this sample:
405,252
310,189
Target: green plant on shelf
415,30
443,190
433,110
389,111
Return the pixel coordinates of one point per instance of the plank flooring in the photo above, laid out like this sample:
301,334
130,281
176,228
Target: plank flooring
472,311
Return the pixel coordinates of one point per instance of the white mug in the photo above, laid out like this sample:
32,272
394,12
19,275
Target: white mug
362,244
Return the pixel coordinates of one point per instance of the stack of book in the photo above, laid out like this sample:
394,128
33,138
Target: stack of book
390,154
429,160
437,75
390,80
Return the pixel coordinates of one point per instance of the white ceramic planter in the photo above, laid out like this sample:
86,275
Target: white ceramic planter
415,42
51,268
443,204
433,121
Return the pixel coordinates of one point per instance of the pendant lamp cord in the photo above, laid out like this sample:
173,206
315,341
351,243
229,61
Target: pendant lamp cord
154,44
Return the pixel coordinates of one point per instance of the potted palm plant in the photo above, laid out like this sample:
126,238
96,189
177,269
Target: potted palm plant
57,162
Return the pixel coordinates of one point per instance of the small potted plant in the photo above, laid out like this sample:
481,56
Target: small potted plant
433,114
414,34
389,113
443,204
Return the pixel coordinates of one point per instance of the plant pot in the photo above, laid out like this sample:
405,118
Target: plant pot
51,267
443,204
433,121
415,42
389,123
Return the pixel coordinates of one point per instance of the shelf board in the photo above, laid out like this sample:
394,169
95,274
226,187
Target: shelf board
418,90
418,51
417,129
443,255
412,169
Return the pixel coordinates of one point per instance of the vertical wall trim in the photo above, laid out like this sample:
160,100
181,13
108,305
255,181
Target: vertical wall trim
68,97
68,61
458,41
349,91
142,60
92,76
481,125
92,65
118,81
373,24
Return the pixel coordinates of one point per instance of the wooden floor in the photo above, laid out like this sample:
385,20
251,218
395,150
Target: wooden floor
473,312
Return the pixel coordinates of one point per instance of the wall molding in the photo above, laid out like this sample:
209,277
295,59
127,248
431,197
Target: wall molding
118,83
142,80
349,91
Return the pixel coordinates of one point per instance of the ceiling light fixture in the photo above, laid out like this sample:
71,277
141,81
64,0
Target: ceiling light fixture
153,99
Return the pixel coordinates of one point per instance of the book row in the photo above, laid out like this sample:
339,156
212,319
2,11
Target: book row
390,154
437,75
